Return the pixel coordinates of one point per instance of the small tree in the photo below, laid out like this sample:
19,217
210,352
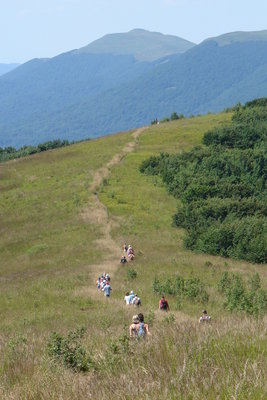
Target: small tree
174,116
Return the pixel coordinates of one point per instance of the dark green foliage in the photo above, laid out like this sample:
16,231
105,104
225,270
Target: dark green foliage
237,135
10,153
242,296
223,187
69,350
165,119
191,288
174,116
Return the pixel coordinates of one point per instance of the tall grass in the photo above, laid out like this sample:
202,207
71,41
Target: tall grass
50,260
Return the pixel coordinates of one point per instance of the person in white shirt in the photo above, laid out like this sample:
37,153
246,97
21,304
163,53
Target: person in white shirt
127,298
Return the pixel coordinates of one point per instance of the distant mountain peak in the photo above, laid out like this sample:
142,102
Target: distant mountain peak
238,37
140,43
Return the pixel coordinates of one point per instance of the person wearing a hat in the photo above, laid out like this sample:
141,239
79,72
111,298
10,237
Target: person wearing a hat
131,296
127,298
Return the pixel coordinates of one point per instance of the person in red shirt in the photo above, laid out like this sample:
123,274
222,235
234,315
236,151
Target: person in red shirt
163,304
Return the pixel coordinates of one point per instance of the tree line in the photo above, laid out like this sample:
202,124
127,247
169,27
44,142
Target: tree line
222,186
10,153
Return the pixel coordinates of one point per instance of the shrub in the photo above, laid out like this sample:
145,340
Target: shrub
242,296
191,288
69,350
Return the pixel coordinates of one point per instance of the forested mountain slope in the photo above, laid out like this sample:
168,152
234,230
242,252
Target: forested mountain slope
78,95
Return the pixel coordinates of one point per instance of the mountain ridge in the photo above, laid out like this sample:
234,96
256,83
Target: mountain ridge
142,44
77,95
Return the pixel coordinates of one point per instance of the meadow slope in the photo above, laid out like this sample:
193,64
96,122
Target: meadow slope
64,216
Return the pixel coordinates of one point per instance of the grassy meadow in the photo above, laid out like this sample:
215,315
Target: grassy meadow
51,255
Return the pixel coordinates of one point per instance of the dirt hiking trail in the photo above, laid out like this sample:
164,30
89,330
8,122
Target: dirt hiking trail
96,213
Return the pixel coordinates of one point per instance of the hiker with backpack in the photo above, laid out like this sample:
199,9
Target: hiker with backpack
125,247
136,301
139,329
123,260
205,317
163,304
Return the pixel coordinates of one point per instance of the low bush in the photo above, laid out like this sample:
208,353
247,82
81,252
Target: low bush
191,288
69,351
243,296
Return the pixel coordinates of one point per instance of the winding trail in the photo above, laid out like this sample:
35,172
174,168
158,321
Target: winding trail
97,213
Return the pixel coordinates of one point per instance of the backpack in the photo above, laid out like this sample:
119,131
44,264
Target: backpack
141,330
163,305
137,301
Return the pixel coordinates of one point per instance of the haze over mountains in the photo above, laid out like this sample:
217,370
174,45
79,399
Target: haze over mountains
5,68
123,81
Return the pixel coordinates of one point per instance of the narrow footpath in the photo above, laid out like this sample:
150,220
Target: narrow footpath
97,214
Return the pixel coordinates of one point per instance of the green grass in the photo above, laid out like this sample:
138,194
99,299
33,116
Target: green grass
48,284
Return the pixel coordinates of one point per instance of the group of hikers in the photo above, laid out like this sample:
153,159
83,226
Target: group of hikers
129,252
138,328
132,299
103,284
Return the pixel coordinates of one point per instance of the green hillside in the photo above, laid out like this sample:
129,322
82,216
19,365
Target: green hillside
65,214
144,45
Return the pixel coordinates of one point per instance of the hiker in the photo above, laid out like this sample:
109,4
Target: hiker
130,250
133,326
131,256
139,329
125,248
98,283
123,260
102,284
205,317
131,296
136,301
107,289
127,298
163,304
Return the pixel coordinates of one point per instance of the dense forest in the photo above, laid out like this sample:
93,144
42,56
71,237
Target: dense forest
222,186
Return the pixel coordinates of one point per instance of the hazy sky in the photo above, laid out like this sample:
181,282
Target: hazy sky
45,28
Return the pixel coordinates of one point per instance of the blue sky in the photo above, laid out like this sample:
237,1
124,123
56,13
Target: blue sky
45,28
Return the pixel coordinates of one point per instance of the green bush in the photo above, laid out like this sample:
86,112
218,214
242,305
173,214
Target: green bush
243,296
222,187
69,350
191,288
